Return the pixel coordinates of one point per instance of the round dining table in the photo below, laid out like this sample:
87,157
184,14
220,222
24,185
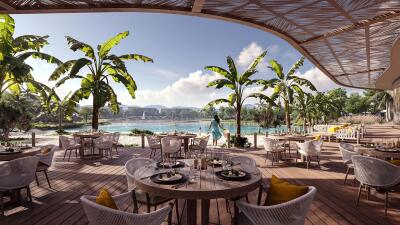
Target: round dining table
25,151
86,135
206,186
391,153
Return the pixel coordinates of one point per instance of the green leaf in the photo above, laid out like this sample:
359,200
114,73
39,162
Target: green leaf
61,69
246,76
304,82
217,102
77,45
29,42
220,71
295,66
257,61
40,55
136,57
264,97
231,66
277,68
110,43
78,65
219,83
7,26
117,62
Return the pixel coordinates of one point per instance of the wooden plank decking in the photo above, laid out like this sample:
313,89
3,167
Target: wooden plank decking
334,202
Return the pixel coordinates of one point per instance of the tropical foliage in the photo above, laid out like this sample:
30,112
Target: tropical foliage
102,66
237,83
63,107
15,72
286,85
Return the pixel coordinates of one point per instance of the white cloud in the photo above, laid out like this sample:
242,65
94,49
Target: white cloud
167,73
187,91
322,82
248,54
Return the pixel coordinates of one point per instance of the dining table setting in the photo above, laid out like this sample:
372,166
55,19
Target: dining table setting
8,153
198,179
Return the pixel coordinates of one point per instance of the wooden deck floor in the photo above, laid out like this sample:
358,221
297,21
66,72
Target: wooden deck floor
334,202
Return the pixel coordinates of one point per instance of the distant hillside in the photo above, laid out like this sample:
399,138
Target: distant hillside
155,107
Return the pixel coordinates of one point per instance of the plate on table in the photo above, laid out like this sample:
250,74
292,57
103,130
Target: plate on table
388,149
168,178
8,151
177,164
216,162
233,175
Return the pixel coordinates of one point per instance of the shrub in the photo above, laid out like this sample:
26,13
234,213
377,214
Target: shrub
138,132
241,142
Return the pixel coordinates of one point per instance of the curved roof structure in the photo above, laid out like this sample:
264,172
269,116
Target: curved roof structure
353,42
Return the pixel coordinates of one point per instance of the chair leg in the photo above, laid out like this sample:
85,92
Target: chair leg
347,173
148,202
308,161
28,191
386,202
69,156
359,194
247,199
47,177
219,219
1,205
37,180
259,195
65,153
177,212
368,192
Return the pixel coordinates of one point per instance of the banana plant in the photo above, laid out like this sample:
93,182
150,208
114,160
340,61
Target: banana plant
64,108
103,66
15,72
286,85
237,83
304,103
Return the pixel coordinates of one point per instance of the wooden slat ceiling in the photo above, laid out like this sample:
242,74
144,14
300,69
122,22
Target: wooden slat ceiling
350,41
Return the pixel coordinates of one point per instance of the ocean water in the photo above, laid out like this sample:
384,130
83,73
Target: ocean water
167,126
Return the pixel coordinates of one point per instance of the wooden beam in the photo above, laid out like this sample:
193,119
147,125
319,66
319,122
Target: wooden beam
6,6
368,52
359,72
342,11
354,26
197,6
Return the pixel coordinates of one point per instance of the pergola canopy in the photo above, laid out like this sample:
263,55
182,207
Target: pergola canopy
353,42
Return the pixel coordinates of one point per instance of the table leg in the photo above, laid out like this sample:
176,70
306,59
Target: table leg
205,211
191,217
186,144
82,150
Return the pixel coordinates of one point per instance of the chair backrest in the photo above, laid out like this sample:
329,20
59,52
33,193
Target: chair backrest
130,168
270,145
202,141
347,151
246,163
289,213
116,137
47,158
103,142
101,215
171,145
153,140
65,142
375,172
309,147
318,144
22,170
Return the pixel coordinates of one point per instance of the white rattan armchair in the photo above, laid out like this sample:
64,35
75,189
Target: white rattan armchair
246,163
272,147
308,150
154,144
376,173
101,215
69,144
45,162
116,136
170,146
104,143
199,144
289,213
17,174
347,151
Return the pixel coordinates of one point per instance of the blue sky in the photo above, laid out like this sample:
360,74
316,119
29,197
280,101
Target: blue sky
180,45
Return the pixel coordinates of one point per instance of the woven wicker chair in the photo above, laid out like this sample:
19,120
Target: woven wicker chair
17,174
309,150
347,151
69,144
116,136
378,174
171,146
154,144
272,147
289,213
45,161
199,145
101,215
104,143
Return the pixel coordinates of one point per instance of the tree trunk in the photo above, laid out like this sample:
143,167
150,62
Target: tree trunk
287,116
304,124
95,115
238,120
60,119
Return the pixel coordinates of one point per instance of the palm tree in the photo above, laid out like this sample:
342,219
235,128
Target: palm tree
384,100
64,107
237,83
286,85
102,67
15,73
304,104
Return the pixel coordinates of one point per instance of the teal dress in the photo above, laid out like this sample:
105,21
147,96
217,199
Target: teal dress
216,133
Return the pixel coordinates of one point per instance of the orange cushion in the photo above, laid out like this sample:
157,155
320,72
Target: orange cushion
104,198
395,162
281,191
45,150
317,137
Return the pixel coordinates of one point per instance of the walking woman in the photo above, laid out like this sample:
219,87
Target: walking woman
214,126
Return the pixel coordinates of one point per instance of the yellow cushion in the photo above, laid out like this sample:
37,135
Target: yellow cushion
317,137
395,162
45,150
104,198
281,191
